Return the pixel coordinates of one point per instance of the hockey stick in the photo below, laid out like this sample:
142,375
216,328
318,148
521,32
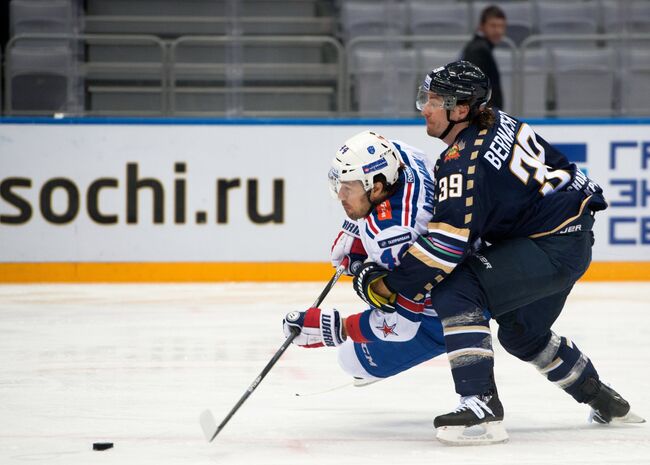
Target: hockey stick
207,421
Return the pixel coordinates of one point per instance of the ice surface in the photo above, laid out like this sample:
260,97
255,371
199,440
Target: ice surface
136,364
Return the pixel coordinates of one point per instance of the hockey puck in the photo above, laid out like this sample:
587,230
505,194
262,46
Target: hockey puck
102,445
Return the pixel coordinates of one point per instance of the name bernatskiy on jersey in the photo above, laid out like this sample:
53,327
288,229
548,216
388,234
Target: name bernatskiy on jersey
492,185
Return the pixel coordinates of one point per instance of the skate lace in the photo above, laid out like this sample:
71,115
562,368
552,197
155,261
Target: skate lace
475,404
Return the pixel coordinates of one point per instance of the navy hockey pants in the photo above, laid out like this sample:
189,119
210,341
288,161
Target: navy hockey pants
524,284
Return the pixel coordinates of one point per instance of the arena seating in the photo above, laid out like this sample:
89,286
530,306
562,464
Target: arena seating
314,58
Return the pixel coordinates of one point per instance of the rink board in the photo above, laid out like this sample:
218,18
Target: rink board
93,200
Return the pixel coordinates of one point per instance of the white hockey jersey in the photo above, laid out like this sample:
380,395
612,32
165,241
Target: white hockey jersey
398,221
386,234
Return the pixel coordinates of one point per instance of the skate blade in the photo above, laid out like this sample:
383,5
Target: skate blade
361,382
478,435
630,418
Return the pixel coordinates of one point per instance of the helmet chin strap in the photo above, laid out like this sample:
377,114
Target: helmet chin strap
451,124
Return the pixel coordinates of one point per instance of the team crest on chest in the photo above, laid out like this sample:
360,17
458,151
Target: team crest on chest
384,211
453,153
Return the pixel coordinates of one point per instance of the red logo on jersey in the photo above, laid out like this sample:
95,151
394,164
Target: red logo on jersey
454,152
384,212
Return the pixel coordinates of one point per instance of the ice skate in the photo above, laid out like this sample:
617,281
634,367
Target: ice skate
607,405
476,421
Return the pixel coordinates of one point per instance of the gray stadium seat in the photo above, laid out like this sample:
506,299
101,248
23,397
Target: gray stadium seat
269,53
631,16
638,17
635,81
385,81
360,18
294,8
41,16
430,58
534,82
430,18
560,17
174,18
583,81
43,80
259,101
164,26
519,17
612,16
506,66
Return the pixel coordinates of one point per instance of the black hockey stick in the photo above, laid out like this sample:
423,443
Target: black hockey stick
208,423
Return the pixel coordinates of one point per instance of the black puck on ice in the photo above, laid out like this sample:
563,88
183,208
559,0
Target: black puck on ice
102,445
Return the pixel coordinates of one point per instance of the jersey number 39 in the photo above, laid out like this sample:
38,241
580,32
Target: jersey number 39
451,186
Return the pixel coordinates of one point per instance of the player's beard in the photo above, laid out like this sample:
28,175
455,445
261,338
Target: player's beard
355,214
362,211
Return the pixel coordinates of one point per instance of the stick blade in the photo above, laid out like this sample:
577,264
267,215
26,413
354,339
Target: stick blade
208,424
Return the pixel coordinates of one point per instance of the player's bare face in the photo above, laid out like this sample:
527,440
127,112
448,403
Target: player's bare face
354,199
435,115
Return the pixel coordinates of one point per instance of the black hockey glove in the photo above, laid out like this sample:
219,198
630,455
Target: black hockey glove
369,274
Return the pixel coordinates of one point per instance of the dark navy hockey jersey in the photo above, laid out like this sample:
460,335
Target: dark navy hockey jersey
492,185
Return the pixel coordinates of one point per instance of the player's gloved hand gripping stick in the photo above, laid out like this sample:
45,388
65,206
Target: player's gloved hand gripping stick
208,423
367,276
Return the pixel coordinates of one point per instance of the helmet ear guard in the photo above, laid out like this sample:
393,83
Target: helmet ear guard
449,102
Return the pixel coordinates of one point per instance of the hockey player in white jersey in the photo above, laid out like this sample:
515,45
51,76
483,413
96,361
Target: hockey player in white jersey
386,190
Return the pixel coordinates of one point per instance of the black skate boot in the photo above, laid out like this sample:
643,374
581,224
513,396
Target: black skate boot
477,420
607,404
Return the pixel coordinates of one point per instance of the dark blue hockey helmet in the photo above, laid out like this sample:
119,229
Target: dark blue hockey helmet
457,82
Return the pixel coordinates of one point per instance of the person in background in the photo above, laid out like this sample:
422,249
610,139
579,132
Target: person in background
490,32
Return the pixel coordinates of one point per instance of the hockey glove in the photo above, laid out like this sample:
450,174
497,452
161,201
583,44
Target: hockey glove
346,245
315,328
369,275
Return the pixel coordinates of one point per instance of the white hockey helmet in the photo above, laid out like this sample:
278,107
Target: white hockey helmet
361,158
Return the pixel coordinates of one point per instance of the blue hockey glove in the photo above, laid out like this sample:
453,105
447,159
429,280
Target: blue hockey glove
368,275
315,328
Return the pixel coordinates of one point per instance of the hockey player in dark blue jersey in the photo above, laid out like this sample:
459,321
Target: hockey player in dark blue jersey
498,183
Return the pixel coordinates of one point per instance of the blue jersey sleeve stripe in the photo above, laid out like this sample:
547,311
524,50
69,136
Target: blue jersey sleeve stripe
413,200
